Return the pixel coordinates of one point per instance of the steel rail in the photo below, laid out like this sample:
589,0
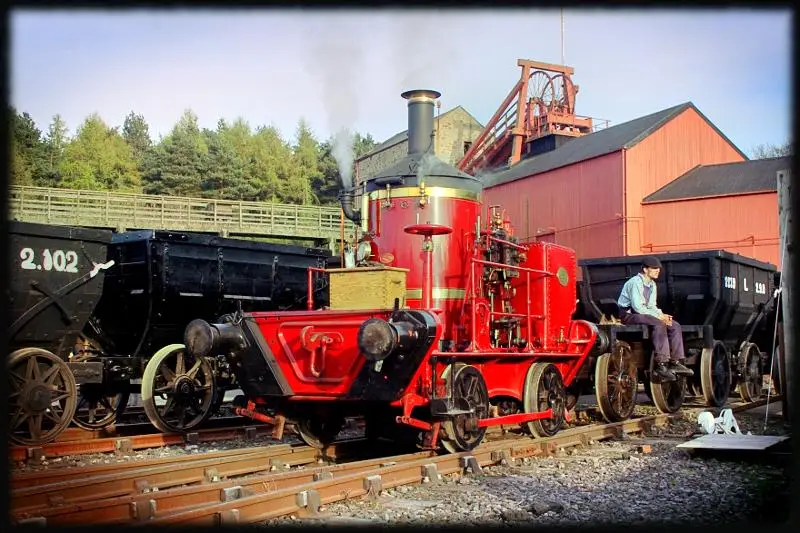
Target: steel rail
271,495
53,475
132,442
144,506
370,480
189,470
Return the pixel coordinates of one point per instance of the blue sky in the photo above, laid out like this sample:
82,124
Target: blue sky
346,68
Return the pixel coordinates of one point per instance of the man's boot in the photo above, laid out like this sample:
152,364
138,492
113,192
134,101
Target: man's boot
661,374
679,369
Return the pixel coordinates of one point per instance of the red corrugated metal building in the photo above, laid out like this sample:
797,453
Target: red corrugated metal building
731,206
587,194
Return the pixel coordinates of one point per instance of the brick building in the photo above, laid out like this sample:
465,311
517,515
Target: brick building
454,132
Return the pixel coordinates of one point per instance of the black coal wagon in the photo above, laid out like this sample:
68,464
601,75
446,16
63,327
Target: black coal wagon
161,281
56,279
725,304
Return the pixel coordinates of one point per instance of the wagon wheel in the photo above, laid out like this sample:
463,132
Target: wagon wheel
544,389
461,432
616,385
185,382
42,396
319,432
668,396
752,379
715,375
98,406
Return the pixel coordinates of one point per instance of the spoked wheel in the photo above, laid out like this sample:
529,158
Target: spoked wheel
752,380
544,389
42,396
668,396
98,405
461,432
615,383
319,432
715,375
185,383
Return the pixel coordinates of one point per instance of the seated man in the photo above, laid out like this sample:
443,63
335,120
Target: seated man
637,305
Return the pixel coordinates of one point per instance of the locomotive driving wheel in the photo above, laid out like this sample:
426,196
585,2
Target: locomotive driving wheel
98,406
185,383
752,381
715,375
544,389
461,432
42,396
319,432
616,384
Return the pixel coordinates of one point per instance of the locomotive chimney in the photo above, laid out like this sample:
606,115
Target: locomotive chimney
420,119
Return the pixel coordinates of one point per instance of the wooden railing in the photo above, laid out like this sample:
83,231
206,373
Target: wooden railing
124,211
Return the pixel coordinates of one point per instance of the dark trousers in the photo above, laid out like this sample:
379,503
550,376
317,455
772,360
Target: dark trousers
667,340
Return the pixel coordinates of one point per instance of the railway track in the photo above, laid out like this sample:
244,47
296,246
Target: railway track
127,438
97,443
256,484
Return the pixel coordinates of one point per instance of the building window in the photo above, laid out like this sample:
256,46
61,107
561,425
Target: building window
467,144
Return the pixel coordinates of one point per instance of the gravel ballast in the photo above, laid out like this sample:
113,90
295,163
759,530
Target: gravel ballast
611,482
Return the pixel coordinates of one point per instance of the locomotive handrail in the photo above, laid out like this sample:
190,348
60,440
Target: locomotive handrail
492,314
120,210
503,241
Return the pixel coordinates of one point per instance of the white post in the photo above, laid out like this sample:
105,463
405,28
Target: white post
562,37
787,254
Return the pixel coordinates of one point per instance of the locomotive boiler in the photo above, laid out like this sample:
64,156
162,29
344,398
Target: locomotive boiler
441,326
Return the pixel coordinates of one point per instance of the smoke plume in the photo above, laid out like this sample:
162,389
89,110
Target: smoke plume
337,63
343,153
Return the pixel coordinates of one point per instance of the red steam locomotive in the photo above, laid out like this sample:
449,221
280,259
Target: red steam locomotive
442,326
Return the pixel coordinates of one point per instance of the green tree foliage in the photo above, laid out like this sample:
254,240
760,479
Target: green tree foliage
299,187
233,162
98,158
136,133
178,164
27,150
54,144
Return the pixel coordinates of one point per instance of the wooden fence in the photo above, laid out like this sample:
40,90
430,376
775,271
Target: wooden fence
124,211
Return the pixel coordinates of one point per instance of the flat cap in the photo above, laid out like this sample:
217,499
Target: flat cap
651,262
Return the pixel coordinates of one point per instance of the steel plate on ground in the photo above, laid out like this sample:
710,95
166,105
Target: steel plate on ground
721,441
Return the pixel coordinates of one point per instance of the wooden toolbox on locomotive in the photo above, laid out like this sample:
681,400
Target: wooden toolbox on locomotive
367,287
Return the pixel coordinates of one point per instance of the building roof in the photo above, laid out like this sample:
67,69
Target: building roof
403,135
743,177
609,140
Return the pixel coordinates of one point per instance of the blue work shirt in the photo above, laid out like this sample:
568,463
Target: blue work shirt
633,296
